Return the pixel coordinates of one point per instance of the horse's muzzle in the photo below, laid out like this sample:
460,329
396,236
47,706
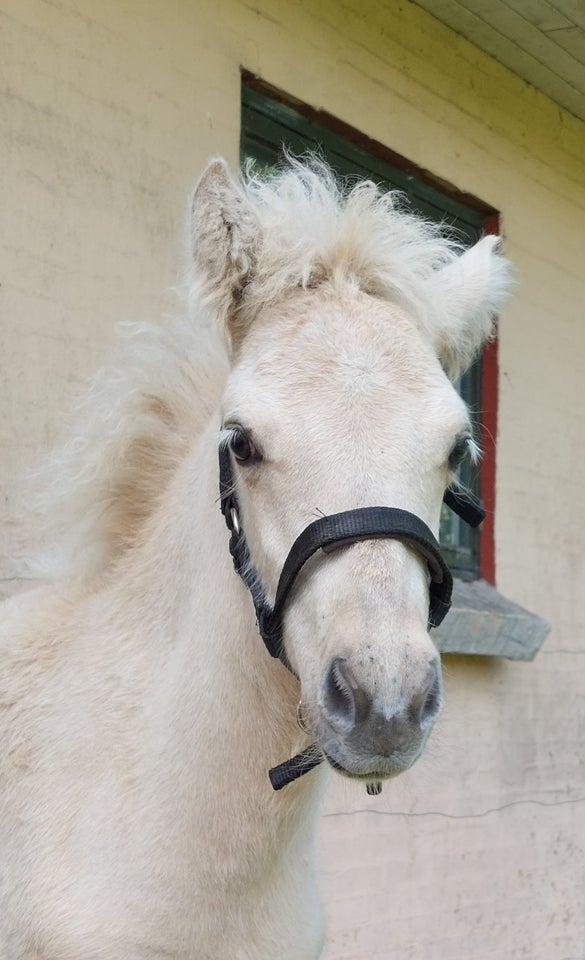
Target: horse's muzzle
361,736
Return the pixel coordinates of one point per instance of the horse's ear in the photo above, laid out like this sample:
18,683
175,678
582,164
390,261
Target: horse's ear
468,294
225,240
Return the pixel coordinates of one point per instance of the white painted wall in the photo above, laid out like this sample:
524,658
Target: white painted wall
107,113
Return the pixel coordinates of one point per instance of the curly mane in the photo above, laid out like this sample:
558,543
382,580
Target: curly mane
130,431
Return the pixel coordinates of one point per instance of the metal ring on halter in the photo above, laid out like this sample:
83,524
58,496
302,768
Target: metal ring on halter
301,719
235,521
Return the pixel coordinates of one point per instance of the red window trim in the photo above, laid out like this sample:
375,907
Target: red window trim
489,432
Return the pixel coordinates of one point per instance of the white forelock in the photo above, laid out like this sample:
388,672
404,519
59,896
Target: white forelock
314,227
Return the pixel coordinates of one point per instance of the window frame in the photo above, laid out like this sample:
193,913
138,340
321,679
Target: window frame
489,223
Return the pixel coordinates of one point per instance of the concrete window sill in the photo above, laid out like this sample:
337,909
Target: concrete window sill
481,621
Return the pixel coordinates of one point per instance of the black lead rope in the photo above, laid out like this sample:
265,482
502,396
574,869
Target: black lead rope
296,767
330,533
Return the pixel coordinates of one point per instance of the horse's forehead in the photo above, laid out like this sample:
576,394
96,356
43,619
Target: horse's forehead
336,347
355,318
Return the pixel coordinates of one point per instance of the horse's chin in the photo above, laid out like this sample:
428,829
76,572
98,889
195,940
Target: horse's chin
375,769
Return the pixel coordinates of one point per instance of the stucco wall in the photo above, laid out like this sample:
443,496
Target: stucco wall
107,113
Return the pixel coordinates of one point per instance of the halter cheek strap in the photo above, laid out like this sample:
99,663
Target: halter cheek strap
464,504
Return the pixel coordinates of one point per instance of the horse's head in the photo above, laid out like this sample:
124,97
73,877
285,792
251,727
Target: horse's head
342,317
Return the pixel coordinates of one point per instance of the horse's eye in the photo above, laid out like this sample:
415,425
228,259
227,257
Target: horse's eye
460,451
242,447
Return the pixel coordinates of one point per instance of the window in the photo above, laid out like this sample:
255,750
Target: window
271,119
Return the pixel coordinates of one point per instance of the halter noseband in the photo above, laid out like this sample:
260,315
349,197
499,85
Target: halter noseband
328,533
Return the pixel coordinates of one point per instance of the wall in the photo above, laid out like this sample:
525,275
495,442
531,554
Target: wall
108,111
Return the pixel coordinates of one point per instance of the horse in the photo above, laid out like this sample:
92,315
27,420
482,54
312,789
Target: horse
311,371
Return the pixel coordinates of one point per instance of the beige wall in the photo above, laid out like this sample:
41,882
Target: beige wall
108,112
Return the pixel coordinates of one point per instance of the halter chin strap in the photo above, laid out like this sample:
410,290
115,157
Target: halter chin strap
330,533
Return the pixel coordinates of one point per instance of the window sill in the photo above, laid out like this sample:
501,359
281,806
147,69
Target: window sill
483,622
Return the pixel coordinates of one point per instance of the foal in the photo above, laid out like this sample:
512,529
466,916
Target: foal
140,712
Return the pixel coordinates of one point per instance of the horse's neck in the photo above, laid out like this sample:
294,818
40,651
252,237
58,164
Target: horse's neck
221,711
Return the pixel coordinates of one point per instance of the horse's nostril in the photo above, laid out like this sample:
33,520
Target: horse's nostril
432,701
338,695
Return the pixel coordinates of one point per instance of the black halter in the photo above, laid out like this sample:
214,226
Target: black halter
329,533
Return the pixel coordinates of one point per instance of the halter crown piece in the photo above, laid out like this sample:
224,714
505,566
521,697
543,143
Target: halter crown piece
328,534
